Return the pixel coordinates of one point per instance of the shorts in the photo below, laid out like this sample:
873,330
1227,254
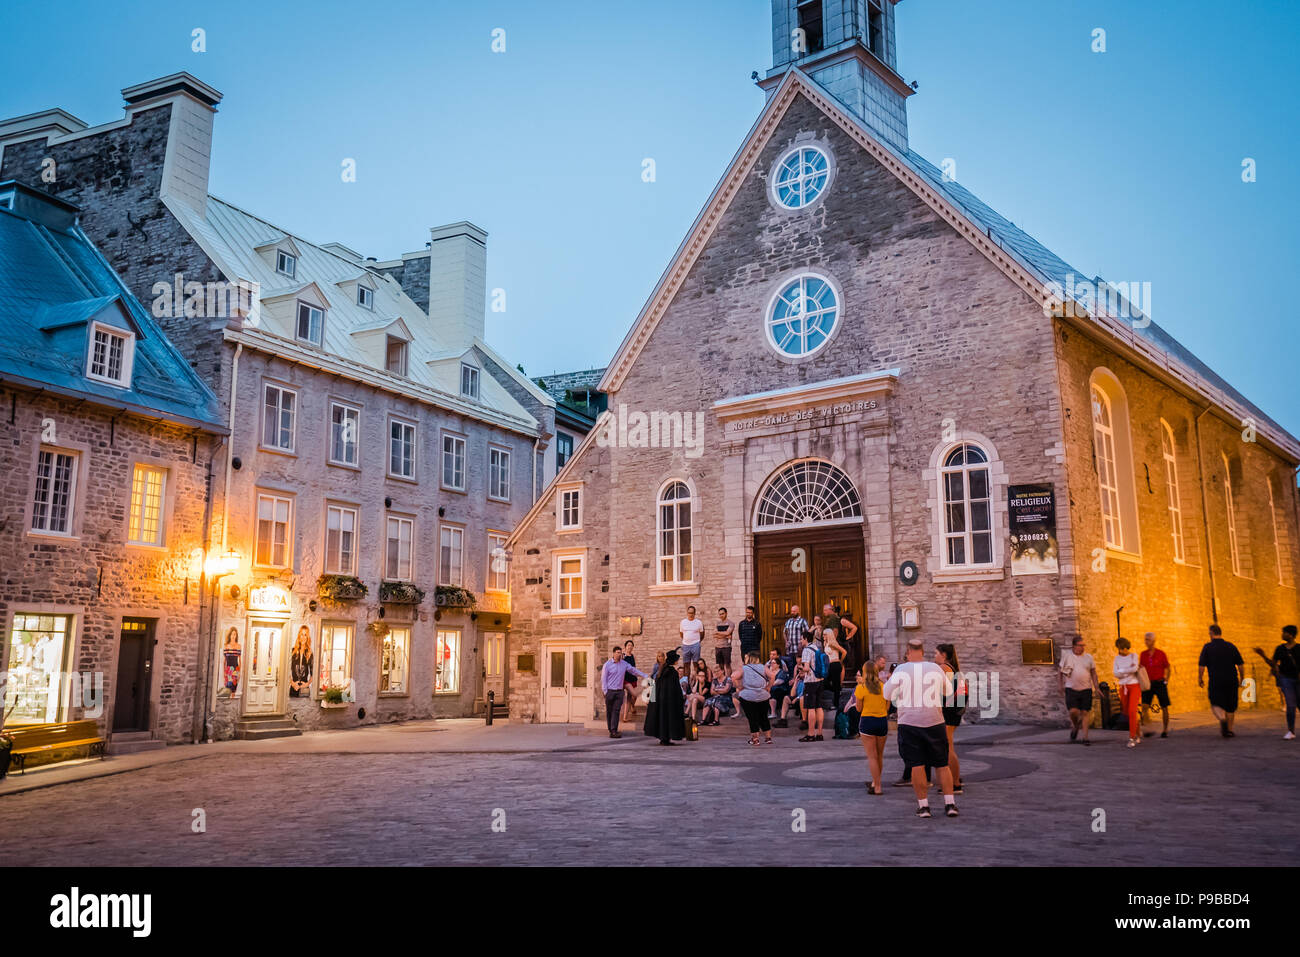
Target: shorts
923,747
1078,700
1224,696
812,694
875,727
722,655
691,653
1158,690
952,716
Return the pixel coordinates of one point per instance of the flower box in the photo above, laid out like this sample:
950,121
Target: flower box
400,593
452,596
340,588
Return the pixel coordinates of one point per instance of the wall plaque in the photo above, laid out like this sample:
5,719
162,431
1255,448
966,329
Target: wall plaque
628,625
1037,651
526,663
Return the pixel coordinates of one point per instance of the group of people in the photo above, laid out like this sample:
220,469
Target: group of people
1143,679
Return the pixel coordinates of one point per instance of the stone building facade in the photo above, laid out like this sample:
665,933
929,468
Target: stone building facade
369,439
105,503
877,363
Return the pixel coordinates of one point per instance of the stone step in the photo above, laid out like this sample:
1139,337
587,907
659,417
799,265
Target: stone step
257,727
133,742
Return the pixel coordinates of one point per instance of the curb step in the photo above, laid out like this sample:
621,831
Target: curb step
133,742
260,727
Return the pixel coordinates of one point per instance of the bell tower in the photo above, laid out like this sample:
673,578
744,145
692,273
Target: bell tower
848,47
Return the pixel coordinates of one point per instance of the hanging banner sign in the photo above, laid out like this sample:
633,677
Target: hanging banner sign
1031,511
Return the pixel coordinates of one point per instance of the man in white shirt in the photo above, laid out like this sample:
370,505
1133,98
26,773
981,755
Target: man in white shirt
918,688
692,632
1078,679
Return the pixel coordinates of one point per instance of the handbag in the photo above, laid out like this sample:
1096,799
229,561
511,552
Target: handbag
1144,680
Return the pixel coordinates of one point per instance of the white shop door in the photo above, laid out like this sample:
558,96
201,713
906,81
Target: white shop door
567,691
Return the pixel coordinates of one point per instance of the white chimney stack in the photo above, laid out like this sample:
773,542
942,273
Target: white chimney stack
189,135
458,283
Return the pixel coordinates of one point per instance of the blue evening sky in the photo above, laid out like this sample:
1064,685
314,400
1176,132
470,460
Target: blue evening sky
1126,163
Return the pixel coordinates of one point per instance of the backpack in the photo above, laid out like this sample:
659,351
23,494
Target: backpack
821,664
842,725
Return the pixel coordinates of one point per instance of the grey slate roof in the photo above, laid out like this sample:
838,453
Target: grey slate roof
53,281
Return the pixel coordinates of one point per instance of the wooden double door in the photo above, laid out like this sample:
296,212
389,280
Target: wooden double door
809,568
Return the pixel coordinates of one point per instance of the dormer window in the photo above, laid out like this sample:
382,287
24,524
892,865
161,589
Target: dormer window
110,355
468,381
286,264
396,360
365,297
310,321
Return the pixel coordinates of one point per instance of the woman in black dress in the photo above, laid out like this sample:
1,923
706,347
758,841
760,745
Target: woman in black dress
665,716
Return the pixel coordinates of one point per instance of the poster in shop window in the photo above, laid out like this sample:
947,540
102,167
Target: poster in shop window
1031,511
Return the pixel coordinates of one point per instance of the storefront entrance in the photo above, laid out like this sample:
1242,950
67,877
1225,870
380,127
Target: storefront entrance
264,669
566,682
134,675
810,567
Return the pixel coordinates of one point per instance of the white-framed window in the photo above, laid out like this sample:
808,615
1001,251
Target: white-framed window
336,654
111,355
1229,501
144,525
675,524
453,462
279,417
401,449
1113,457
395,660
800,176
345,431
399,551
274,525
286,264
340,540
395,357
499,474
365,296
967,507
55,492
1169,450
1281,541
311,323
569,575
446,675
468,380
569,514
36,654
498,570
451,555
802,316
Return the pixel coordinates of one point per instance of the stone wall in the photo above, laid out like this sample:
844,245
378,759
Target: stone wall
94,574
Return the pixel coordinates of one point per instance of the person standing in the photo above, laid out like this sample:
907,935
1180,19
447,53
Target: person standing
918,687
1125,670
1159,670
834,666
1077,673
1286,670
873,723
812,689
1227,671
665,717
945,656
630,687
793,632
754,683
612,679
692,632
750,630
725,630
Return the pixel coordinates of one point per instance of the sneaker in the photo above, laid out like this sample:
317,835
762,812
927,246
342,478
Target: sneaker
1132,743
958,788
1164,734
951,810
923,812
1289,736
807,737
903,783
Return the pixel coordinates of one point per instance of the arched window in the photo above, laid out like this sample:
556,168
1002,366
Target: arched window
1228,499
1281,540
1113,455
1171,487
967,507
674,533
806,493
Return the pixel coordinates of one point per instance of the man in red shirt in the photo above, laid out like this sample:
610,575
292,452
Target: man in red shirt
1156,662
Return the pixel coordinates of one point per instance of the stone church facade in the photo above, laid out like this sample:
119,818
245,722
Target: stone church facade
878,361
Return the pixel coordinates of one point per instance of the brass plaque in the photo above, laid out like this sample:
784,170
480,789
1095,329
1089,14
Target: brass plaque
1037,651
629,625
526,663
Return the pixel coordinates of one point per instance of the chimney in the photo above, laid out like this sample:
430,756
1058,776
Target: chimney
189,135
458,283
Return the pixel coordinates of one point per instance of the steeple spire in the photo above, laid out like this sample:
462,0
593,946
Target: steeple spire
848,47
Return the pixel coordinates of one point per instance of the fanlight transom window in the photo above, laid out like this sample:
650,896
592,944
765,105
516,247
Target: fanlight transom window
808,493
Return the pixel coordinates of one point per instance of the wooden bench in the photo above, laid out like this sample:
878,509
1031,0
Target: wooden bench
52,737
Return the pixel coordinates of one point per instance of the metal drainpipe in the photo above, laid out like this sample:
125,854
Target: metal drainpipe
1205,516
535,442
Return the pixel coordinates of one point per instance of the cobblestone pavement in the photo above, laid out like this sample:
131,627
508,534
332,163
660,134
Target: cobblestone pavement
430,794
